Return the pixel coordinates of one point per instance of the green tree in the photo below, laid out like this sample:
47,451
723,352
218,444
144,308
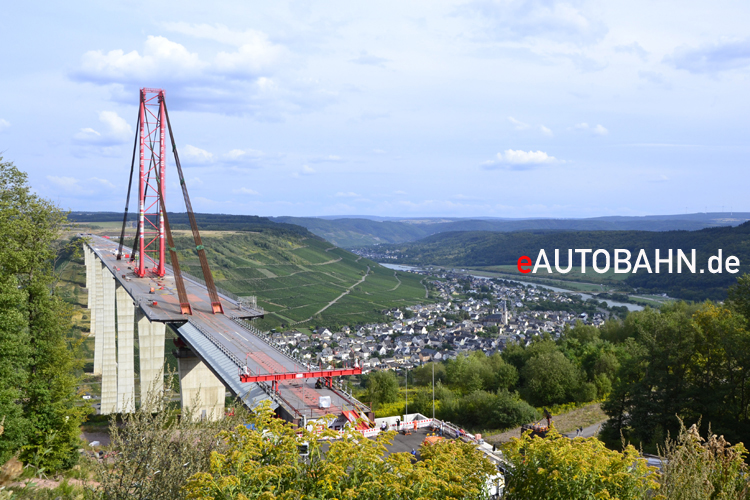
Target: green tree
382,387
37,382
550,378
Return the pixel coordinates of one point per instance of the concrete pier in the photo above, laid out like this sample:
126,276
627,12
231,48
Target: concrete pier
97,312
200,389
108,342
125,357
151,356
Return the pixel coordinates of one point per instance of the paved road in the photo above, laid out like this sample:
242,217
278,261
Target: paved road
590,431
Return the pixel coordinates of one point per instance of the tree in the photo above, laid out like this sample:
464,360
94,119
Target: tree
550,378
265,463
558,467
382,387
37,382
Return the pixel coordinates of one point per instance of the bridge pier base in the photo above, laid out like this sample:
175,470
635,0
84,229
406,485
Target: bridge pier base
108,342
151,357
200,389
125,363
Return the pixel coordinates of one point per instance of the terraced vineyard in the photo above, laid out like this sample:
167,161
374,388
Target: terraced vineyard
301,281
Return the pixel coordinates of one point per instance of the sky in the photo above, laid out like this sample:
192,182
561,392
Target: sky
475,108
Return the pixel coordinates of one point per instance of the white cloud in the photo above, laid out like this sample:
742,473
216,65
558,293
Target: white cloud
347,195
4,125
369,59
244,190
546,131
598,129
327,159
162,59
249,158
519,125
115,130
512,159
724,55
379,151
564,21
104,182
197,156
66,183
240,81
306,170
80,187
116,125
634,49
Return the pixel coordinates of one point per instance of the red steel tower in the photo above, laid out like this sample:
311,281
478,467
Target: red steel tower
150,243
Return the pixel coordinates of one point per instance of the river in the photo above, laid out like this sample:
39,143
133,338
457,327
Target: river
585,296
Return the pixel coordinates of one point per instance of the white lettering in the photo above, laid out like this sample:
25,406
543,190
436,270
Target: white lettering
735,263
664,261
619,261
583,252
606,260
557,261
717,259
638,265
681,257
542,256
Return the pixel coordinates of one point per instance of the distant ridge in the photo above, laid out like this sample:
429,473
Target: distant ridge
358,231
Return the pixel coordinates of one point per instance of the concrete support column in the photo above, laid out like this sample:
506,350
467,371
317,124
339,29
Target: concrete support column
200,389
87,261
97,312
109,346
151,356
125,358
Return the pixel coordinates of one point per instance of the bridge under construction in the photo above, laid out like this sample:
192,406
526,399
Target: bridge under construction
217,347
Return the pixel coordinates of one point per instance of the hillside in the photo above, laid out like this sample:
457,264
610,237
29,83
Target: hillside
483,249
350,232
299,279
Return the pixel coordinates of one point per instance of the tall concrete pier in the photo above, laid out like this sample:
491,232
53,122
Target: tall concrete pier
200,389
125,368
109,345
151,356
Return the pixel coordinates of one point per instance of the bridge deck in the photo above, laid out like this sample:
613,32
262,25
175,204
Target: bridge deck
233,344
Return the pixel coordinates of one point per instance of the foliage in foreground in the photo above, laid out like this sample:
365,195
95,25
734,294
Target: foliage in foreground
265,464
696,468
152,455
560,468
38,402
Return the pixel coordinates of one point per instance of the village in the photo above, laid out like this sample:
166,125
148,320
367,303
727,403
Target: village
488,316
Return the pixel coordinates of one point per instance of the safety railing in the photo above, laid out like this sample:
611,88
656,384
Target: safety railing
218,344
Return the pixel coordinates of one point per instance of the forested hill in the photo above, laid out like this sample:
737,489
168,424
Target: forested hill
482,248
351,232
206,222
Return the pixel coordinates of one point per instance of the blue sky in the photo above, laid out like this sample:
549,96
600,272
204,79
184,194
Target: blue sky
438,108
